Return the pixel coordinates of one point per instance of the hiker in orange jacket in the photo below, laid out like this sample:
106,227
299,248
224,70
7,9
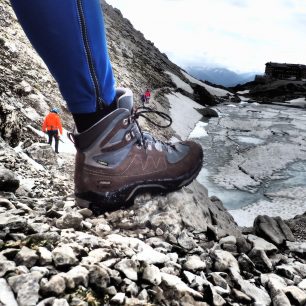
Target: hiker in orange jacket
53,127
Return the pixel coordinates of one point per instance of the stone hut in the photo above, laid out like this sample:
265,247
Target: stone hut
285,71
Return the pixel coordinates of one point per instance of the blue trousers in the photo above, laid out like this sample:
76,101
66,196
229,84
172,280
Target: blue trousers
69,35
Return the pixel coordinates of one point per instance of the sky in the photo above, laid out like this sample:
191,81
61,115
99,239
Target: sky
241,35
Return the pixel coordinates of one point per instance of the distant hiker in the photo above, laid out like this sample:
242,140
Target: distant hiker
143,99
53,127
147,95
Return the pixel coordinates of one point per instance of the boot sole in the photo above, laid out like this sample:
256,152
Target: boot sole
122,198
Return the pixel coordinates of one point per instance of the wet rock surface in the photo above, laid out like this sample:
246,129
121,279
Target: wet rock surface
255,160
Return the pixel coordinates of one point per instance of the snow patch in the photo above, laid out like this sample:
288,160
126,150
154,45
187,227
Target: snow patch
199,130
243,92
179,82
183,109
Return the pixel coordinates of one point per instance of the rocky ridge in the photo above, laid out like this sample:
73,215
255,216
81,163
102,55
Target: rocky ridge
179,249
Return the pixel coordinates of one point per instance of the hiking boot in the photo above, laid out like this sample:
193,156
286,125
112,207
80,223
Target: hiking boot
115,160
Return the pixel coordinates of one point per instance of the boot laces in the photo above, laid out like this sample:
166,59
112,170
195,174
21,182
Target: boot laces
145,139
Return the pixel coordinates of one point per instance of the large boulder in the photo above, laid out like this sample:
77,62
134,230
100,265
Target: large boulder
8,180
274,230
10,124
189,208
42,153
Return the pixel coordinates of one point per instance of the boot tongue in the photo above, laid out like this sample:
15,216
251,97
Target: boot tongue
124,98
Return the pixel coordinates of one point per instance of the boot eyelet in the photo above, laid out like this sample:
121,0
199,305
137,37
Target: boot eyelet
125,121
128,137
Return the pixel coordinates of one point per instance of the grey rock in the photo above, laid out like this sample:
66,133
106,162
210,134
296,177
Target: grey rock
232,248
276,285
224,261
129,267
296,295
143,295
45,256
85,212
80,275
194,263
60,302
132,289
42,270
64,256
228,240
111,290
6,203
273,229
262,244
261,260
77,302
6,266
302,285
190,207
258,295
246,264
13,222
209,112
8,180
176,283
98,277
26,257
55,286
217,280
278,296
297,247
46,302
213,297
7,297
39,227
287,271
241,297
152,274
185,241
98,254
102,229
70,220
118,299
26,287
243,246
300,268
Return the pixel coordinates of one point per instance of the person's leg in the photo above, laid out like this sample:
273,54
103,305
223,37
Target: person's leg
50,138
56,140
70,37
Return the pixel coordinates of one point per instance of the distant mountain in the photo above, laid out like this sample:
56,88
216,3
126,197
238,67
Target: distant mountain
220,76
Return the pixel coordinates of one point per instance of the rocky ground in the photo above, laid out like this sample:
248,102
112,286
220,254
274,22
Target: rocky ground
183,248
269,91
179,249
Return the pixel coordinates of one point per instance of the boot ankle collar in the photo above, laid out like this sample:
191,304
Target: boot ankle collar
84,140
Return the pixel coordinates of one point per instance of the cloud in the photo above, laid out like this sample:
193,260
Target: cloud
239,34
